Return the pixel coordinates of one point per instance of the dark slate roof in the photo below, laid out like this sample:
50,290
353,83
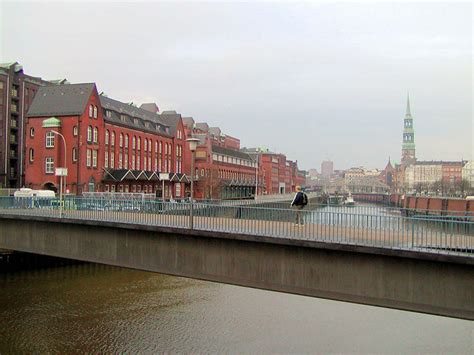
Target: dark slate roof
188,121
61,100
203,126
230,152
151,107
171,118
118,108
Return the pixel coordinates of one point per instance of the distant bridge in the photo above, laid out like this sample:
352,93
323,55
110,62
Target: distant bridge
384,261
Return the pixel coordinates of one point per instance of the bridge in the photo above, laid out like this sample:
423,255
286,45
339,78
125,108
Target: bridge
416,264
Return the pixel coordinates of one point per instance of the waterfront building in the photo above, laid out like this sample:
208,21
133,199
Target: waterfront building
17,91
222,170
327,168
281,174
111,145
468,173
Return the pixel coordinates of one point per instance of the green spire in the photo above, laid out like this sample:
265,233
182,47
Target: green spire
408,113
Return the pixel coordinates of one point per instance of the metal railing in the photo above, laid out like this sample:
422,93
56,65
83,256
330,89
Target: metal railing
434,235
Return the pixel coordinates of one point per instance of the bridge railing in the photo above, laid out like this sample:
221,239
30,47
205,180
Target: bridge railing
436,235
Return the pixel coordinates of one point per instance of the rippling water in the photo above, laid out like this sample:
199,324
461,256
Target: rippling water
92,308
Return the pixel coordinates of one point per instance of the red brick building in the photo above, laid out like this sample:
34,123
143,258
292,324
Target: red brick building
452,171
221,169
281,175
111,146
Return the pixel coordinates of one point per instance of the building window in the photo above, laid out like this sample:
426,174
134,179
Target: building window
112,139
139,143
88,158
89,134
161,148
91,111
96,133
112,160
32,132
202,172
156,146
126,141
121,140
74,131
120,160
32,155
50,140
108,113
49,165
94,158
144,163
134,142
145,148
133,162
95,111
138,162
178,190
123,118
106,159
74,154
107,137
125,161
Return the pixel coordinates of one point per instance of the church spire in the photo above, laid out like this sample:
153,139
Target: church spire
408,113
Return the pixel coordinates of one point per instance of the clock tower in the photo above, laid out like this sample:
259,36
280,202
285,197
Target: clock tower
408,146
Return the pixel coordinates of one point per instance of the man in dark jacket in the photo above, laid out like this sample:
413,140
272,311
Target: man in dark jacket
299,201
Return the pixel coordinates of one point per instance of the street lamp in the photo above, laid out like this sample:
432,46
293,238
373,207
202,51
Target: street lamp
256,174
53,122
193,142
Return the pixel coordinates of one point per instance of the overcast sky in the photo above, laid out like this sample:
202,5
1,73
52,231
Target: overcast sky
314,81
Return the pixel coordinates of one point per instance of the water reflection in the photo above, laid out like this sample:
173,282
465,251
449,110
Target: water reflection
92,308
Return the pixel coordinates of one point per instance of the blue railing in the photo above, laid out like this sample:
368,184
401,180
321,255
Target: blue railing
439,234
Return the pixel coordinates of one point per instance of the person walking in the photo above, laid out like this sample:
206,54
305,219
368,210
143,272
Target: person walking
299,202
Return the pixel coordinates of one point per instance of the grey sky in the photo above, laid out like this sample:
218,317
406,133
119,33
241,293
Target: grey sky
311,80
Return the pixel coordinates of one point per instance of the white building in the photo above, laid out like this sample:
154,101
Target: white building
468,172
423,172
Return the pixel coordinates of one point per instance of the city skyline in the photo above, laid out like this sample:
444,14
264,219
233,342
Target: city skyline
311,73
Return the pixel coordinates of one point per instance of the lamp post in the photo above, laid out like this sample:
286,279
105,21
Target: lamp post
193,142
53,122
256,174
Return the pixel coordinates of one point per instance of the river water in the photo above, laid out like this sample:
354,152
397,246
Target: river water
90,308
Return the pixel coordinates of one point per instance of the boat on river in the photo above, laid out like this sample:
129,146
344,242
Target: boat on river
349,201
334,200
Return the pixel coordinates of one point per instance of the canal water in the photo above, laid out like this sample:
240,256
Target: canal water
91,308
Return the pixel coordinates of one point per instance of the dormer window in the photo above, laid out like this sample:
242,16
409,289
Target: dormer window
147,124
135,121
123,118
108,113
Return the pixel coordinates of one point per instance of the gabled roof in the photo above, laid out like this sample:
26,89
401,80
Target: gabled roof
188,122
61,100
151,107
171,118
203,126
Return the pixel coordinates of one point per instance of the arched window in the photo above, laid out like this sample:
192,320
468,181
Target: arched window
96,133
139,143
112,139
74,154
32,155
126,141
91,184
121,140
74,131
107,137
91,111
95,111
89,134
32,132
145,148
134,142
